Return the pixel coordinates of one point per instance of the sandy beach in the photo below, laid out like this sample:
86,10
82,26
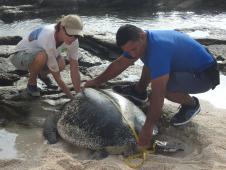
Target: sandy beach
204,139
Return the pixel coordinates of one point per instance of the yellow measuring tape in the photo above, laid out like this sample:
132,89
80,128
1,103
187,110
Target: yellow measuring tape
142,154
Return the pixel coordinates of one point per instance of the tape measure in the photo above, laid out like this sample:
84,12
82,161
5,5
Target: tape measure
142,154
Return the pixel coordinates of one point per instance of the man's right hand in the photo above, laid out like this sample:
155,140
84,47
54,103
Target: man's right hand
90,83
113,70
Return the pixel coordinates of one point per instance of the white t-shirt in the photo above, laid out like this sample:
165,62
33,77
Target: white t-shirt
43,39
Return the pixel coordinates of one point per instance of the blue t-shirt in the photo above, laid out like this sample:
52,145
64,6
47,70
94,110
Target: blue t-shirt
171,51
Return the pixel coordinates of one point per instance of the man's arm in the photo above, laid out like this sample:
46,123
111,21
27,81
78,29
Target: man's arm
75,76
61,83
158,87
113,70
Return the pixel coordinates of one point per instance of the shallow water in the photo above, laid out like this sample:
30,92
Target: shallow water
217,96
7,144
18,142
110,22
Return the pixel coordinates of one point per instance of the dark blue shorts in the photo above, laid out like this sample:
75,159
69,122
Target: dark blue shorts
192,83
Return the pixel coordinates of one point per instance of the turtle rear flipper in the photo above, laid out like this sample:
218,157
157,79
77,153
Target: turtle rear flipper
50,129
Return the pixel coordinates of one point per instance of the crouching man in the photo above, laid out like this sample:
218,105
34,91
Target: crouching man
175,65
39,53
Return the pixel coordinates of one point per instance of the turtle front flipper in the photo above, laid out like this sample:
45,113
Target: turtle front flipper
168,146
99,154
50,129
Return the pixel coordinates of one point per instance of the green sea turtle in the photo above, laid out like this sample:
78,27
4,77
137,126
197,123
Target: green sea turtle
98,120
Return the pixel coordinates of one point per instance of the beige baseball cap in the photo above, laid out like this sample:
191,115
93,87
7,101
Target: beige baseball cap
72,24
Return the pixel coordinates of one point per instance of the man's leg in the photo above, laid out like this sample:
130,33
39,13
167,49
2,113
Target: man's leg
189,107
43,75
34,63
36,67
181,98
179,86
61,65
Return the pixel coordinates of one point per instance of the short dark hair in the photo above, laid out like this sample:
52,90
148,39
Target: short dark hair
127,33
57,26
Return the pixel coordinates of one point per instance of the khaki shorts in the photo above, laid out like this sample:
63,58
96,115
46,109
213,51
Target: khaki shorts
22,59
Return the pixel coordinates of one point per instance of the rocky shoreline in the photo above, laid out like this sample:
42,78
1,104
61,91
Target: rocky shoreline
95,53
14,10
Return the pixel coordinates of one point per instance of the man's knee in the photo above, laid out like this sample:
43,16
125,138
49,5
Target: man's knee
39,61
41,57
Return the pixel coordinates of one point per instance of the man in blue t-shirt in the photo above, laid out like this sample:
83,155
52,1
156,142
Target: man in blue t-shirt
175,65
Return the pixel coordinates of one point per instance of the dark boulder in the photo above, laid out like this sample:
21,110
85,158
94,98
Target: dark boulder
194,5
7,79
18,2
10,40
9,14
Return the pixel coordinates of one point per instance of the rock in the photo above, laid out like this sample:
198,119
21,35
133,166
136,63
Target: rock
6,50
91,3
210,41
10,40
143,4
102,45
11,110
7,79
6,65
7,92
43,8
10,14
86,59
219,51
187,5
132,74
18,2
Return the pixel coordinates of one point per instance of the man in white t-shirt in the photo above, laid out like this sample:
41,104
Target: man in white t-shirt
39,53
